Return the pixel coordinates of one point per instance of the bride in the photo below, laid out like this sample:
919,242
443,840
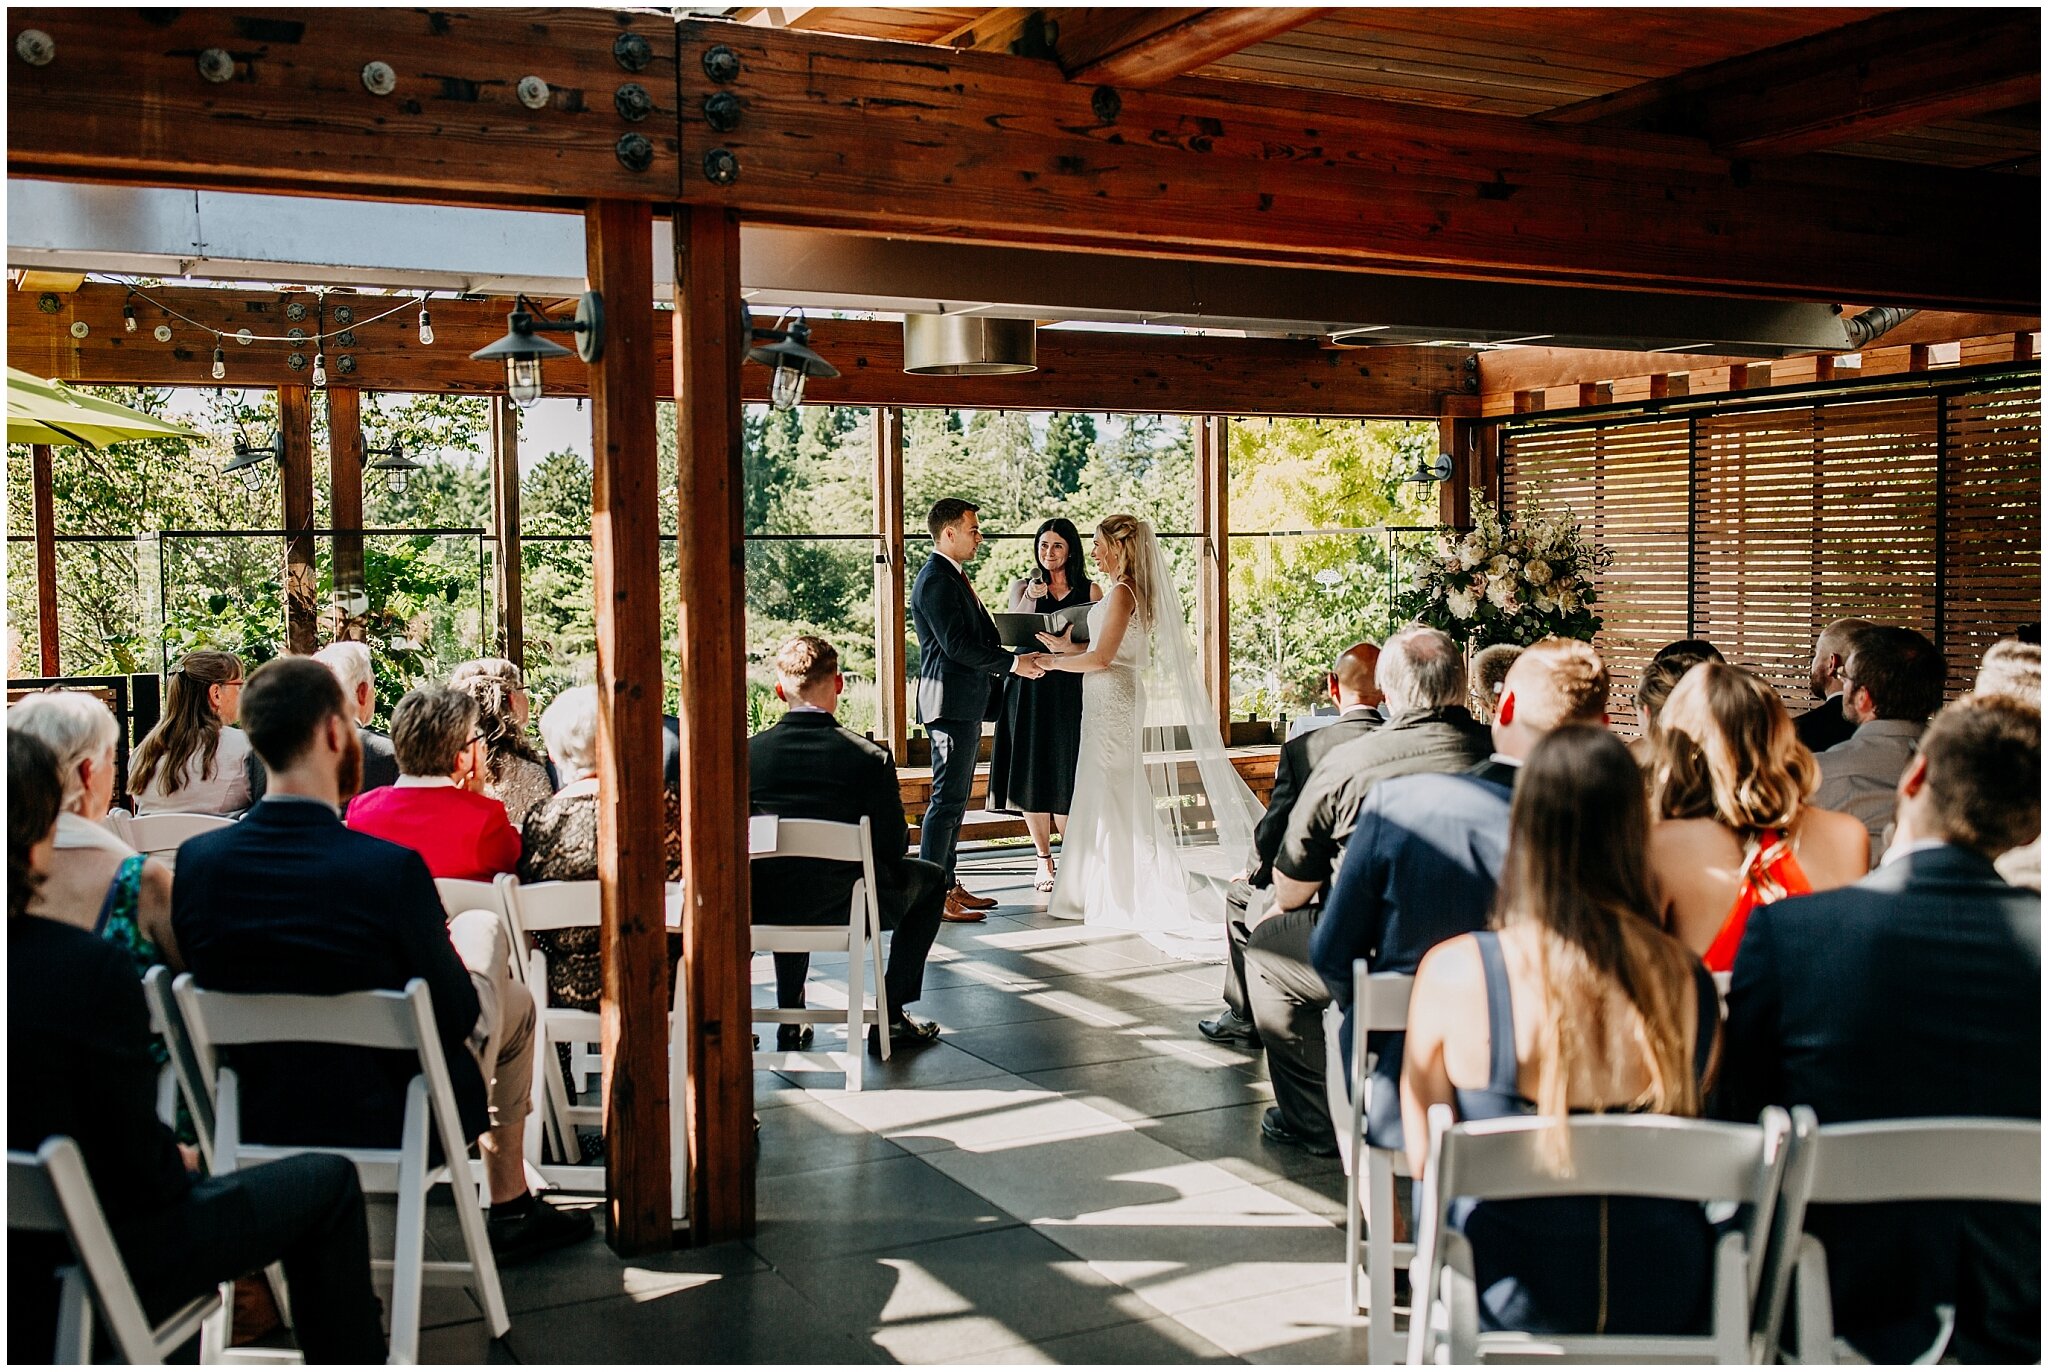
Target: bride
1138,852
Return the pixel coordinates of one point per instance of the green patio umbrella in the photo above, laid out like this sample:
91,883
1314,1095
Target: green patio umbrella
40,411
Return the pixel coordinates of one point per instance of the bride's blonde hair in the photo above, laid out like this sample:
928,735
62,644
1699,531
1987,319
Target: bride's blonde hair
1123,531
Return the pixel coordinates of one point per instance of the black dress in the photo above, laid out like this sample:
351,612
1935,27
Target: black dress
1038,737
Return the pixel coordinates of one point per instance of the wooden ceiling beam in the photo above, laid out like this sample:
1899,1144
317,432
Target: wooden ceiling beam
908,139
1139,49
1856,82
1078,369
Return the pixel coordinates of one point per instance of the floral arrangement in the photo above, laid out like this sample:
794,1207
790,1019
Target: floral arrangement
1513,579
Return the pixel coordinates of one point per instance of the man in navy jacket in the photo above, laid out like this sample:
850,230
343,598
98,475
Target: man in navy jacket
1426,856
1915,992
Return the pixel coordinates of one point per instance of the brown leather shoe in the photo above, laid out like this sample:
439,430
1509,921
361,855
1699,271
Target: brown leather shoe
956,913
961,896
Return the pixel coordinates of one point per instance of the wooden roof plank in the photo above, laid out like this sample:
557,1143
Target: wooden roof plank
1140,48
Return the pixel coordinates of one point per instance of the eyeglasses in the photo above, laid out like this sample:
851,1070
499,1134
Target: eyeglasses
478,737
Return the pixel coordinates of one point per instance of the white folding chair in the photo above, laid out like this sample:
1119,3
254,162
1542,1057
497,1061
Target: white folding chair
860,938
1612,1155
459,895
160,835
1955,1159
394,1020
1379,1004
49,1192
546,907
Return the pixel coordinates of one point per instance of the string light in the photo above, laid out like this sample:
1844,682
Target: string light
319,371
128,318
220,363
426,325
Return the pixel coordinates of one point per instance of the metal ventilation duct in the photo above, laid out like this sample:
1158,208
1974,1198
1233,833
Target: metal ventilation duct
968,345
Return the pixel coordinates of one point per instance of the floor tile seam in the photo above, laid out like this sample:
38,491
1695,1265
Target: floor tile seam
1008,1222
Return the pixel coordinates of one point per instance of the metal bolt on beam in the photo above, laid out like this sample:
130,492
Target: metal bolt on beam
379,79
533,92
35,47
216,65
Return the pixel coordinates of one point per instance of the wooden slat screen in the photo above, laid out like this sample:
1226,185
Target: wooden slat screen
1755,526
1627,482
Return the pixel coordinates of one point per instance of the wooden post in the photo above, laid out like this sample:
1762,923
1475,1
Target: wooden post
301,582
1212,572
890,687
1455,430
345,475
626,546
509,568
711,567
44,481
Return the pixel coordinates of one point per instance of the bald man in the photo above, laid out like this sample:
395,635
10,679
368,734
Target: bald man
1356,693
1825,725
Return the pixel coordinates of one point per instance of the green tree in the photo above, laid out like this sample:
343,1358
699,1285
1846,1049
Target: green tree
1069,443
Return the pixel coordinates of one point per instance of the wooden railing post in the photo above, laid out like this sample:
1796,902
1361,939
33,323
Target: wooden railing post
345,476
44,480
1212,571
710,564
890,689
301,581
509,567
626,546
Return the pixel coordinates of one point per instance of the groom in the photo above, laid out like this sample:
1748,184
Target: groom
957,687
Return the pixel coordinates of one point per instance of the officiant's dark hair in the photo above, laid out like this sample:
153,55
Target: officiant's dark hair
948,512
1077,567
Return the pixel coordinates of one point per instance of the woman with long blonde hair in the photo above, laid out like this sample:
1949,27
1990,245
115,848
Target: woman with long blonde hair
1729,785
1131,859
194,761
1575,1002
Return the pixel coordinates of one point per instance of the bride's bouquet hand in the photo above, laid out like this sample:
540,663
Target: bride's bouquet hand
1061,643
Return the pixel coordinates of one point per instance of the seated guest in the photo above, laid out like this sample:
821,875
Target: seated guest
1357,697
515,773
79,1066
437,806
1891,684
1916,992
1489,677
94,880
1624,1019
560,844
192,761
1362,659
807,767
352,666
1424,860
1691,647
1658,681
1734,830
1271,990
1826,724
291,901
2013,668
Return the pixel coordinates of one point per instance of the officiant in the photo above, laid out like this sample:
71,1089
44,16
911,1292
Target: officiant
1038,735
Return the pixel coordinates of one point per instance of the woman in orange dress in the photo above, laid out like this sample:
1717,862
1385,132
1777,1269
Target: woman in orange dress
1729,784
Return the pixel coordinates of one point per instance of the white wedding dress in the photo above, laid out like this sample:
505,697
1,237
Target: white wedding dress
1124,862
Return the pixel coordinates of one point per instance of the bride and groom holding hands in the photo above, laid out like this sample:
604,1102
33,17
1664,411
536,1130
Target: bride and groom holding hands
1133,857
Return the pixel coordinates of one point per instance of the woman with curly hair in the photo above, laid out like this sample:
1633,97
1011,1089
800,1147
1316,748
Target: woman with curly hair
515,774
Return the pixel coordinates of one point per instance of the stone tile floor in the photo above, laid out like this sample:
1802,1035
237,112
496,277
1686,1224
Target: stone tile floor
1071,1175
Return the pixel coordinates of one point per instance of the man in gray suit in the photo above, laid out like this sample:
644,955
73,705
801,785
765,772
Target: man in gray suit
963,662
1890,685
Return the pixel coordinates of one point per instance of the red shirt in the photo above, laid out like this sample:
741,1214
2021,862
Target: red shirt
459,833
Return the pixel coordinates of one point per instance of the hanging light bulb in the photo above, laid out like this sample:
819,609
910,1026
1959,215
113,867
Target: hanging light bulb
522,380
220,363
426,326
128,318
319,371
786,387
789,352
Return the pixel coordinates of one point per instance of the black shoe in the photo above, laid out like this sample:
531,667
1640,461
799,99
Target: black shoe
1230,1027
904,1032
1275,1128
542,1229
794,1038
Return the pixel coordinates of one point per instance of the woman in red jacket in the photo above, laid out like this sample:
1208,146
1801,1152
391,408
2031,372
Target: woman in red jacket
437,806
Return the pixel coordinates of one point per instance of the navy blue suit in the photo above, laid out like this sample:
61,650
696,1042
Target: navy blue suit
290,900
1914,992
959,677
1421,868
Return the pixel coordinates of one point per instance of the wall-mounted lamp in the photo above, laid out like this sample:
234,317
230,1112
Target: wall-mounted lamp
523,349
391,460
1428,473
249,460
788,351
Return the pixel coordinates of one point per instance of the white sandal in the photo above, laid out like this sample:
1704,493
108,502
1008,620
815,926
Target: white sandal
1047,874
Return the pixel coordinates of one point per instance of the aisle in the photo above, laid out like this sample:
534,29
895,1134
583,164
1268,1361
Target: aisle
1071,1175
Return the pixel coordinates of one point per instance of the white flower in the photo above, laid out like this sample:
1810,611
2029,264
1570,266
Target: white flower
1536,570
1569,602
1468,553
1544,603
1500,566
1463,604
1502,593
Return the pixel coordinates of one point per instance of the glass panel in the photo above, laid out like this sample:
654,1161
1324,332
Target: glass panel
423,607
1295,603
222,590
824,587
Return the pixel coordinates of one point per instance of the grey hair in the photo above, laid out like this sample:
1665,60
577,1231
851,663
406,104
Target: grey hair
1421,669
2011,668
569,729
74,725
351,665
429,730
